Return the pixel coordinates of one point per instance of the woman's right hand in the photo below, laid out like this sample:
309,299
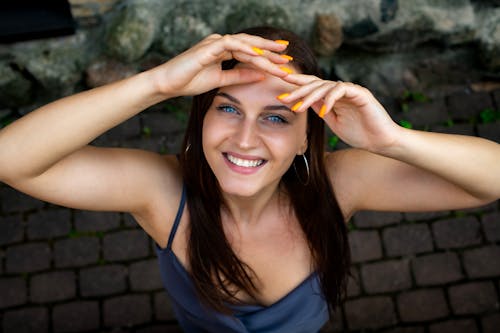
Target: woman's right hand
198,69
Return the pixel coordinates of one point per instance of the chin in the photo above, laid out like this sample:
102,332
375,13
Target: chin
239,188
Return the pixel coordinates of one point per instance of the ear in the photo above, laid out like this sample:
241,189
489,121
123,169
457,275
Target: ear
303,146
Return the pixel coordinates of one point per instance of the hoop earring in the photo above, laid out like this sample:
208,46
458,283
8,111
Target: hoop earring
187,147
307,169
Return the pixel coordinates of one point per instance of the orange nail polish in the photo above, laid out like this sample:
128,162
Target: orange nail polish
286,56
297,106
287,70
322,111
257,50
283,95
281,41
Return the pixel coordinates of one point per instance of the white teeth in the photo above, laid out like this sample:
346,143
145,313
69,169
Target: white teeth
244,163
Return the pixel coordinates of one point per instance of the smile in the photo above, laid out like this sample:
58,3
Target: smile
243,162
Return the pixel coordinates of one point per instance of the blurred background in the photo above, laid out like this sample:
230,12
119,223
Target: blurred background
434,64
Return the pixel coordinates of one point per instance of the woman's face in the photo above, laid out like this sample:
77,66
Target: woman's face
250,138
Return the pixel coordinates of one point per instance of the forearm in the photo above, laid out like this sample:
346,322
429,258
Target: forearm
471,163
35,142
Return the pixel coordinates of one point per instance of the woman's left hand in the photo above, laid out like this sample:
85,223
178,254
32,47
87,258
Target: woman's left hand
351,111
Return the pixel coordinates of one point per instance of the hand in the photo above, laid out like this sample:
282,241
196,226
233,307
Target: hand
351,111
198,69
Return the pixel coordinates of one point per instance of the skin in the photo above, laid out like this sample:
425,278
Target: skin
45,155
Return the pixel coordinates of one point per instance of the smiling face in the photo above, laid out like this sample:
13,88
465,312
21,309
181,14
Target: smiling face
250,138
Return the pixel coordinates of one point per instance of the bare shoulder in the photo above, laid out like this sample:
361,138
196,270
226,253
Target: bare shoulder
346,169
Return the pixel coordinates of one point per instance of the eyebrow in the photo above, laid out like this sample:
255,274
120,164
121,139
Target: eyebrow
276,107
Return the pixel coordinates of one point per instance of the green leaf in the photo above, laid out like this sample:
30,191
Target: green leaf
489,116
405,124
333,140
146,131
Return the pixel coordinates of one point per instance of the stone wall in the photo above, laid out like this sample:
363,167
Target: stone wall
432,64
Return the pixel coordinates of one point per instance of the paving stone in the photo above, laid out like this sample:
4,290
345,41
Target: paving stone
424,216
482,262
422,305
161,123
49,224
434,269
163,307
496,98
129,221
26,320
11,229
466,106
454,326
457,232
365,245
160,329
102,280
386,276
491,323
370,313
128,129
127,310
461,129
489,131
371,219
15,201
96,221
13,291
491,226
28,258
424,114
53,286
125,245
76,252
407,239
76,316
145,275
353,283
412,329
473,297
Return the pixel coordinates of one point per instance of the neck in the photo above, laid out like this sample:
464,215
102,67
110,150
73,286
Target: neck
248,211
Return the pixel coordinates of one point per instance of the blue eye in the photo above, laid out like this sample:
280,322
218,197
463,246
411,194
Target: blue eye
227,109
277,119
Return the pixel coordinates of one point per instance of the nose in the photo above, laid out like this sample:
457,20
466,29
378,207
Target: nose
247,134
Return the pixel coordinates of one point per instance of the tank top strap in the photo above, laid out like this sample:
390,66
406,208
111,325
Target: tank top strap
177,217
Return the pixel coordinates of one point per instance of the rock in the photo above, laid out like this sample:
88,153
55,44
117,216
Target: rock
15,89
56,64
489,39
406,24
327,36
105,71
180,31
257,13
133,30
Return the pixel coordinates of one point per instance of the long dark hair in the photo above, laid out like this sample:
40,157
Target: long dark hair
213,264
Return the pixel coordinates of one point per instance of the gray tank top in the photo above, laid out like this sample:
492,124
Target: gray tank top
302,310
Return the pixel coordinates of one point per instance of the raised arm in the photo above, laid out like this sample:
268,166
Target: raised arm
44,154
396,168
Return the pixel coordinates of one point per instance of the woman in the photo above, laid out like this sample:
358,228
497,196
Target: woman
260,240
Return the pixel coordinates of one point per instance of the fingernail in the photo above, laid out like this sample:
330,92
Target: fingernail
286,70
297,106
283,95
257,50
281,41
322,111
286,56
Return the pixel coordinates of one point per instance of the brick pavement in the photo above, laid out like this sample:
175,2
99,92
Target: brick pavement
63,270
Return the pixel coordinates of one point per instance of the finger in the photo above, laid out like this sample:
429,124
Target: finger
315,95
240,76
300,79
263,63
300,92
